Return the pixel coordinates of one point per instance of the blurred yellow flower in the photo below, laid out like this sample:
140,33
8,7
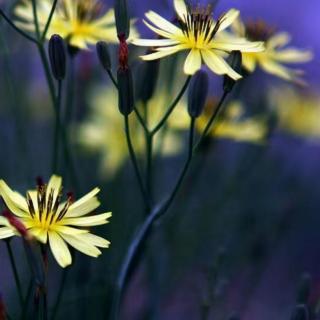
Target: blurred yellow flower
48,219
103,131
80,22
298,113
233,125
276,54
200,35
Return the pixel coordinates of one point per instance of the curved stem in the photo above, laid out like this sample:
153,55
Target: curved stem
46,28
145,228
172,107
134,160
21,32
15,272
211,120
59,295
56,141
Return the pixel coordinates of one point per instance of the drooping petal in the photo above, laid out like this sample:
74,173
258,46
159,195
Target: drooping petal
86,221
249,61
193,62
59,250
181,8
162,23
276,69
14,201
80,244
227,19
218,65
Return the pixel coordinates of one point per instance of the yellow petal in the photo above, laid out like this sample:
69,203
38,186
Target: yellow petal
237,45
95,240
14,201
181,8
59,250
278,40
293,56
158,31
87,221
218,65
276,69
39,233
249,61
227,19
162,53
162,23
6,232
54,186
80,244
154,42
67,230
193,62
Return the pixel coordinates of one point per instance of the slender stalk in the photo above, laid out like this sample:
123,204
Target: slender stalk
112,78
60,294
46,28
57,133
149,175
171,107
21,32
26,301
15,272
145,228
36,20
211,120
134,160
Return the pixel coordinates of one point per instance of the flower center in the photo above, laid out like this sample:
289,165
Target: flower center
46,207
198,25
259,31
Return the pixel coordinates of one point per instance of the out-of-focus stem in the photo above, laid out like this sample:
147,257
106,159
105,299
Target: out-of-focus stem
53,8
57,133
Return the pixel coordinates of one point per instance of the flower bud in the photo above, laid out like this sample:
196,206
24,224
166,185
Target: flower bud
300,313
122,18
125,90
57,56
104,55
235,62
148,80
198,94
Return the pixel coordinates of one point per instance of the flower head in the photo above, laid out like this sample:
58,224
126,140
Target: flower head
275,56
49,219
80,22
198,33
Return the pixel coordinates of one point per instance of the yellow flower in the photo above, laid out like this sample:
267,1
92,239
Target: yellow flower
48,219
232,125
276,53
103,132
200,35
298,113
80,22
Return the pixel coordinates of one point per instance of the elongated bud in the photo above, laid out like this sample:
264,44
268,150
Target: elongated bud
125,90
104,55
235,62
300,313
122,18
304,289
148,80
198,94
57,56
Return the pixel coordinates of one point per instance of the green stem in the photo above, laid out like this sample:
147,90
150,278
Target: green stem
134,161
149,175
36,20
15,271
60,294
171,107
112,78
21,32
211,120
57,133
145,228
26,301
46,28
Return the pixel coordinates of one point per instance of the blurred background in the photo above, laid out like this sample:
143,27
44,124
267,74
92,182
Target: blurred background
243,234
